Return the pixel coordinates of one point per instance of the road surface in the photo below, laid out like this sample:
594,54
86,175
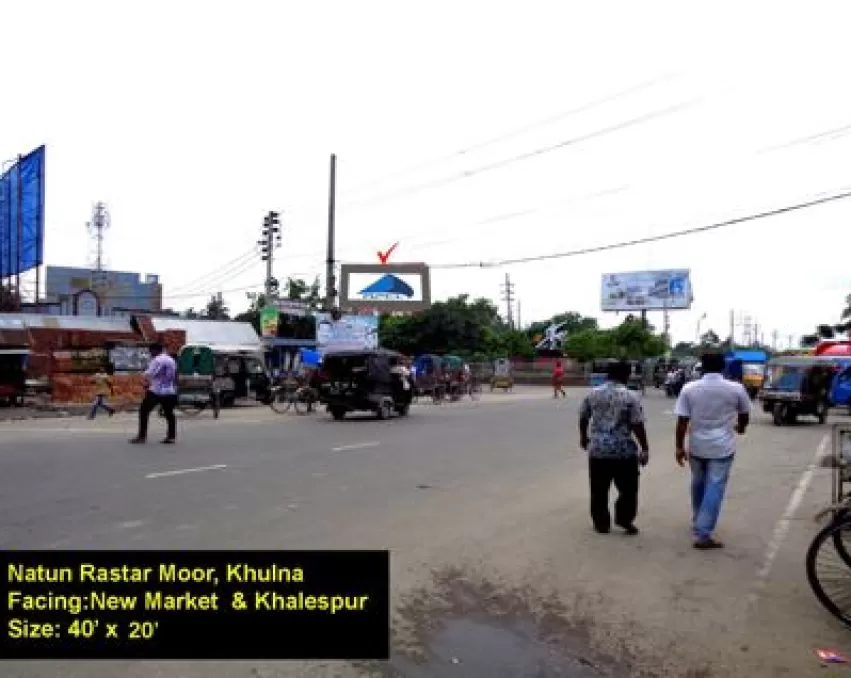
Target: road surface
484,506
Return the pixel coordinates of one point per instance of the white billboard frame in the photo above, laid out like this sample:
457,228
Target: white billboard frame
659,290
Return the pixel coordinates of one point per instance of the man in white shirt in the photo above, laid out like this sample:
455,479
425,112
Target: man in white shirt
711,410
161,383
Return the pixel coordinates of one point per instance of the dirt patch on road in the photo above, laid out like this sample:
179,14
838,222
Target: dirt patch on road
468,624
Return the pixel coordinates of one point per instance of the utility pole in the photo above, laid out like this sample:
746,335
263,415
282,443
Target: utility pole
508,298
330,282
519,321
270,241
774,336
732,328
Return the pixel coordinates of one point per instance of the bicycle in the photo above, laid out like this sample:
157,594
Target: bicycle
302,399
829,569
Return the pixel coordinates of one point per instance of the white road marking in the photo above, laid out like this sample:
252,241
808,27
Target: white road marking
198,469
781,529
356,446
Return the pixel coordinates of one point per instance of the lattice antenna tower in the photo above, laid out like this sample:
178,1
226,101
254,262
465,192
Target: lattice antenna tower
97,228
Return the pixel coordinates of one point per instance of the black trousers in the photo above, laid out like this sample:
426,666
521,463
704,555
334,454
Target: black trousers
149,404
624,473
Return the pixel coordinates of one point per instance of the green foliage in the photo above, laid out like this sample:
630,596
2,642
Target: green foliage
216,309
456,326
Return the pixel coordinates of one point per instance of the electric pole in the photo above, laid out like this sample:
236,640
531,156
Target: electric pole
508,298
270,241
330,282
774,336
519,321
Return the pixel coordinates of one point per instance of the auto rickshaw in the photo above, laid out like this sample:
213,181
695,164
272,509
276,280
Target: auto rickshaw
364,381
796,386
636,377
197,387
13,363
503,376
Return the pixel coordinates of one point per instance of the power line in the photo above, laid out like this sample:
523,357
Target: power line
236,262
518,131
655,238
466,174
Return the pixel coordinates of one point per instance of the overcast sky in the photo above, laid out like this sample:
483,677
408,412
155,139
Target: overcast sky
192,119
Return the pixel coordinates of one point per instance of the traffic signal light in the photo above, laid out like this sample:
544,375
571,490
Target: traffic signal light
271,235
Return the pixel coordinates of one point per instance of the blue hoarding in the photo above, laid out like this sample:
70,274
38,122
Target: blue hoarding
22,215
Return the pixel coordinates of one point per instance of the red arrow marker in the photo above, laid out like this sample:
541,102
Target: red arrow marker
384,256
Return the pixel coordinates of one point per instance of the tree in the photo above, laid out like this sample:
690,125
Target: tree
216,308
190,314
573,323
709,338
632,339
252,315
456,326
684,349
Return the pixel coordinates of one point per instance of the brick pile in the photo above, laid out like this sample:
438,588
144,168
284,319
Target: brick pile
74,389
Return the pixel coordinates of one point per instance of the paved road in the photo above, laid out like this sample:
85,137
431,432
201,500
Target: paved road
492,494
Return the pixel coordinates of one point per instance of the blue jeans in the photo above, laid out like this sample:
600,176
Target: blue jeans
708,484
99,403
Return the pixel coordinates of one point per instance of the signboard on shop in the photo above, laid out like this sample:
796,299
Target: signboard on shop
269,321
87,361
298,309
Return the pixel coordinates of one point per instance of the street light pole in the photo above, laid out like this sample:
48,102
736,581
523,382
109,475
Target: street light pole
699,321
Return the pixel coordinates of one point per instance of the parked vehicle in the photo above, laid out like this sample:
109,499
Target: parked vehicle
797,386
229,374
636,377
840,387
13,381
364,381
503,375
748,368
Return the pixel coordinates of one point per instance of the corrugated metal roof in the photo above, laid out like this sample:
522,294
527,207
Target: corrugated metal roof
64,322
211,332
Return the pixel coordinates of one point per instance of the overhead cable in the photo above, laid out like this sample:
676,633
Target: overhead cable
466,174
655,238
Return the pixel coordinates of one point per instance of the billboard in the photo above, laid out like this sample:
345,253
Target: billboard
353,332
647,290
385,287
22,215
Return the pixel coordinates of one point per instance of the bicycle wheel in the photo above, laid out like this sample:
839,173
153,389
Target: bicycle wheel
302,401
281,402
190,409
827,572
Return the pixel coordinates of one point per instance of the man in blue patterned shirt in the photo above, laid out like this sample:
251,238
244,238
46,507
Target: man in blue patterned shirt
611,419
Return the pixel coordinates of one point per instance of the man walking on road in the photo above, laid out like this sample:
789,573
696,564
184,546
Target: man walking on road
610,420
161,379
708,410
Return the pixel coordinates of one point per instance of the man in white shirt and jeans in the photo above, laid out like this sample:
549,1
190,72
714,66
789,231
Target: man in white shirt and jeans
161,383
711,411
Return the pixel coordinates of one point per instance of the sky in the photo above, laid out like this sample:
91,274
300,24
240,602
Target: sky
467,131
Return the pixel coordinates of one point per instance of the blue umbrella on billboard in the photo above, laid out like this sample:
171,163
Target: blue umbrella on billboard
387,286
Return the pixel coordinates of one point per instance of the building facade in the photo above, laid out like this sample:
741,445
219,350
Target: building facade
83,292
